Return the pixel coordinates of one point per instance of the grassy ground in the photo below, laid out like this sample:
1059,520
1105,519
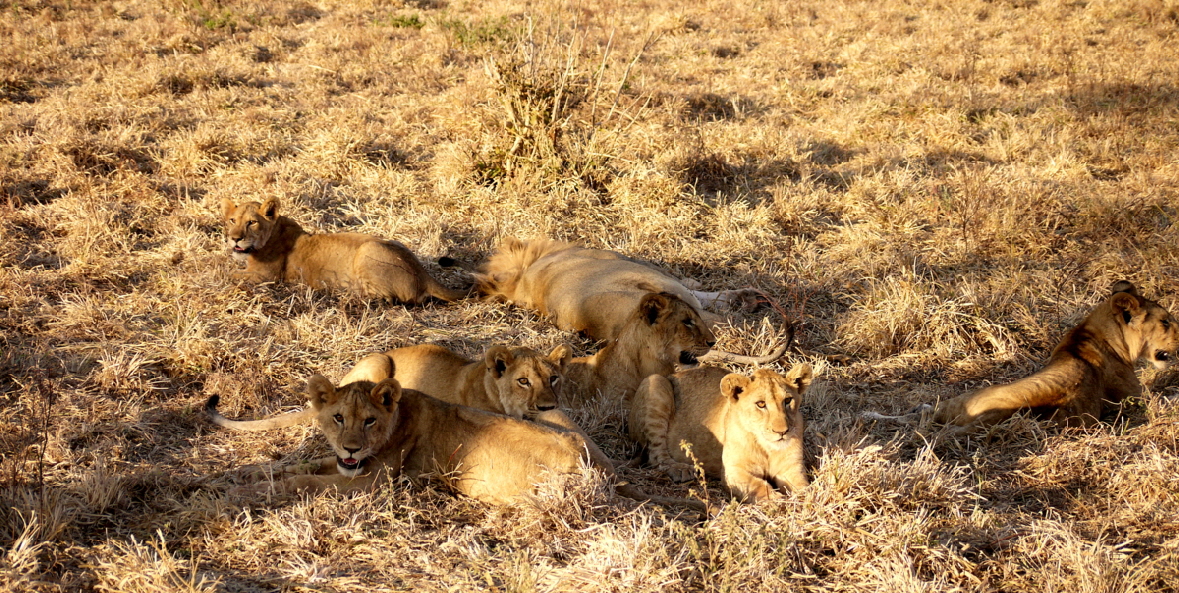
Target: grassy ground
936,189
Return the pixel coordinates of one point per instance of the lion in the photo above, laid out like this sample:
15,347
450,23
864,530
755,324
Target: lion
276,249
1090,372
380,431
746,431
594,291
517,382
661,332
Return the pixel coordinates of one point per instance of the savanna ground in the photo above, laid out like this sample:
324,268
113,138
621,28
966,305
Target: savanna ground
937,190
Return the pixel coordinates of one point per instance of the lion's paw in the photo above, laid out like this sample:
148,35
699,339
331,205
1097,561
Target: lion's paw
680,472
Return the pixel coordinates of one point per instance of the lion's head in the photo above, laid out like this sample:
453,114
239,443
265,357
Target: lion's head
1149,330
358,419
671,329
523,381
767,405
248,227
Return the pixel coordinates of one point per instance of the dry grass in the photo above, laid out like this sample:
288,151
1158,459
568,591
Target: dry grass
936,189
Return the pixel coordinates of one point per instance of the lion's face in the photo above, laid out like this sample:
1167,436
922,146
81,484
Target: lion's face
768,404
677,333
1148,329
248,227
358,419
525,382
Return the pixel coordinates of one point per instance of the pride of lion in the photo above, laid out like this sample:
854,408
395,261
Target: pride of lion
495,427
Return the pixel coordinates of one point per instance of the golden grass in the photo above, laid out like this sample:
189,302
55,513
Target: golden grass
937,190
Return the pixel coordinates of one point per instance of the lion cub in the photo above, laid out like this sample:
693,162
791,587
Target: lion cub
1090,372
745,431
276,249
517,382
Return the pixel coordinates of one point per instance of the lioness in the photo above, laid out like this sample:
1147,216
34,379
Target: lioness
379,430
748,432
276,248
1090,371
593,291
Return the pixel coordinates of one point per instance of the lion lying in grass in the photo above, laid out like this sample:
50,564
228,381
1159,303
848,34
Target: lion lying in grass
380,431
276,249
517,382
1090,372
593,291
747,432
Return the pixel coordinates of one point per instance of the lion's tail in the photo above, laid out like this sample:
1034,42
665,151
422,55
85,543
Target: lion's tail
500,276
437,290
280,421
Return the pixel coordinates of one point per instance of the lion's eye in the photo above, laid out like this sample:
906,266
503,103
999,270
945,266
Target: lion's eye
252,223
339,418
369,422
553,380
523,381
786,402
761,405
1166,324
689,323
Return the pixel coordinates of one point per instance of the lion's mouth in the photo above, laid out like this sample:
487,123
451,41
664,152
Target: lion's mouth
350,464
688,359
245,250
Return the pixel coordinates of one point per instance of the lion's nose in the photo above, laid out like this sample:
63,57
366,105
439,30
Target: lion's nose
711,343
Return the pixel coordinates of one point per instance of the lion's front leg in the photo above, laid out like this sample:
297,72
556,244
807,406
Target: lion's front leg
749,487
789,468
652,410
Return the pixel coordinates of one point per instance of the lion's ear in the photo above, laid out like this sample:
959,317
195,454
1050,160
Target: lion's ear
1124,286
269,208
561,355
320,391
498,359
800,377
732,386
386,393
227,207
653,305
1126,305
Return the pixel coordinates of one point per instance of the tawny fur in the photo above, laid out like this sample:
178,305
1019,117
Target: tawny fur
661,331
517,382
592,291
746,432
1090,372
379,431
277,249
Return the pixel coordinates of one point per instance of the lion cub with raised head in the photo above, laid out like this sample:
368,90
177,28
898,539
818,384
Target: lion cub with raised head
517,382
1090,372
746,431
276,249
